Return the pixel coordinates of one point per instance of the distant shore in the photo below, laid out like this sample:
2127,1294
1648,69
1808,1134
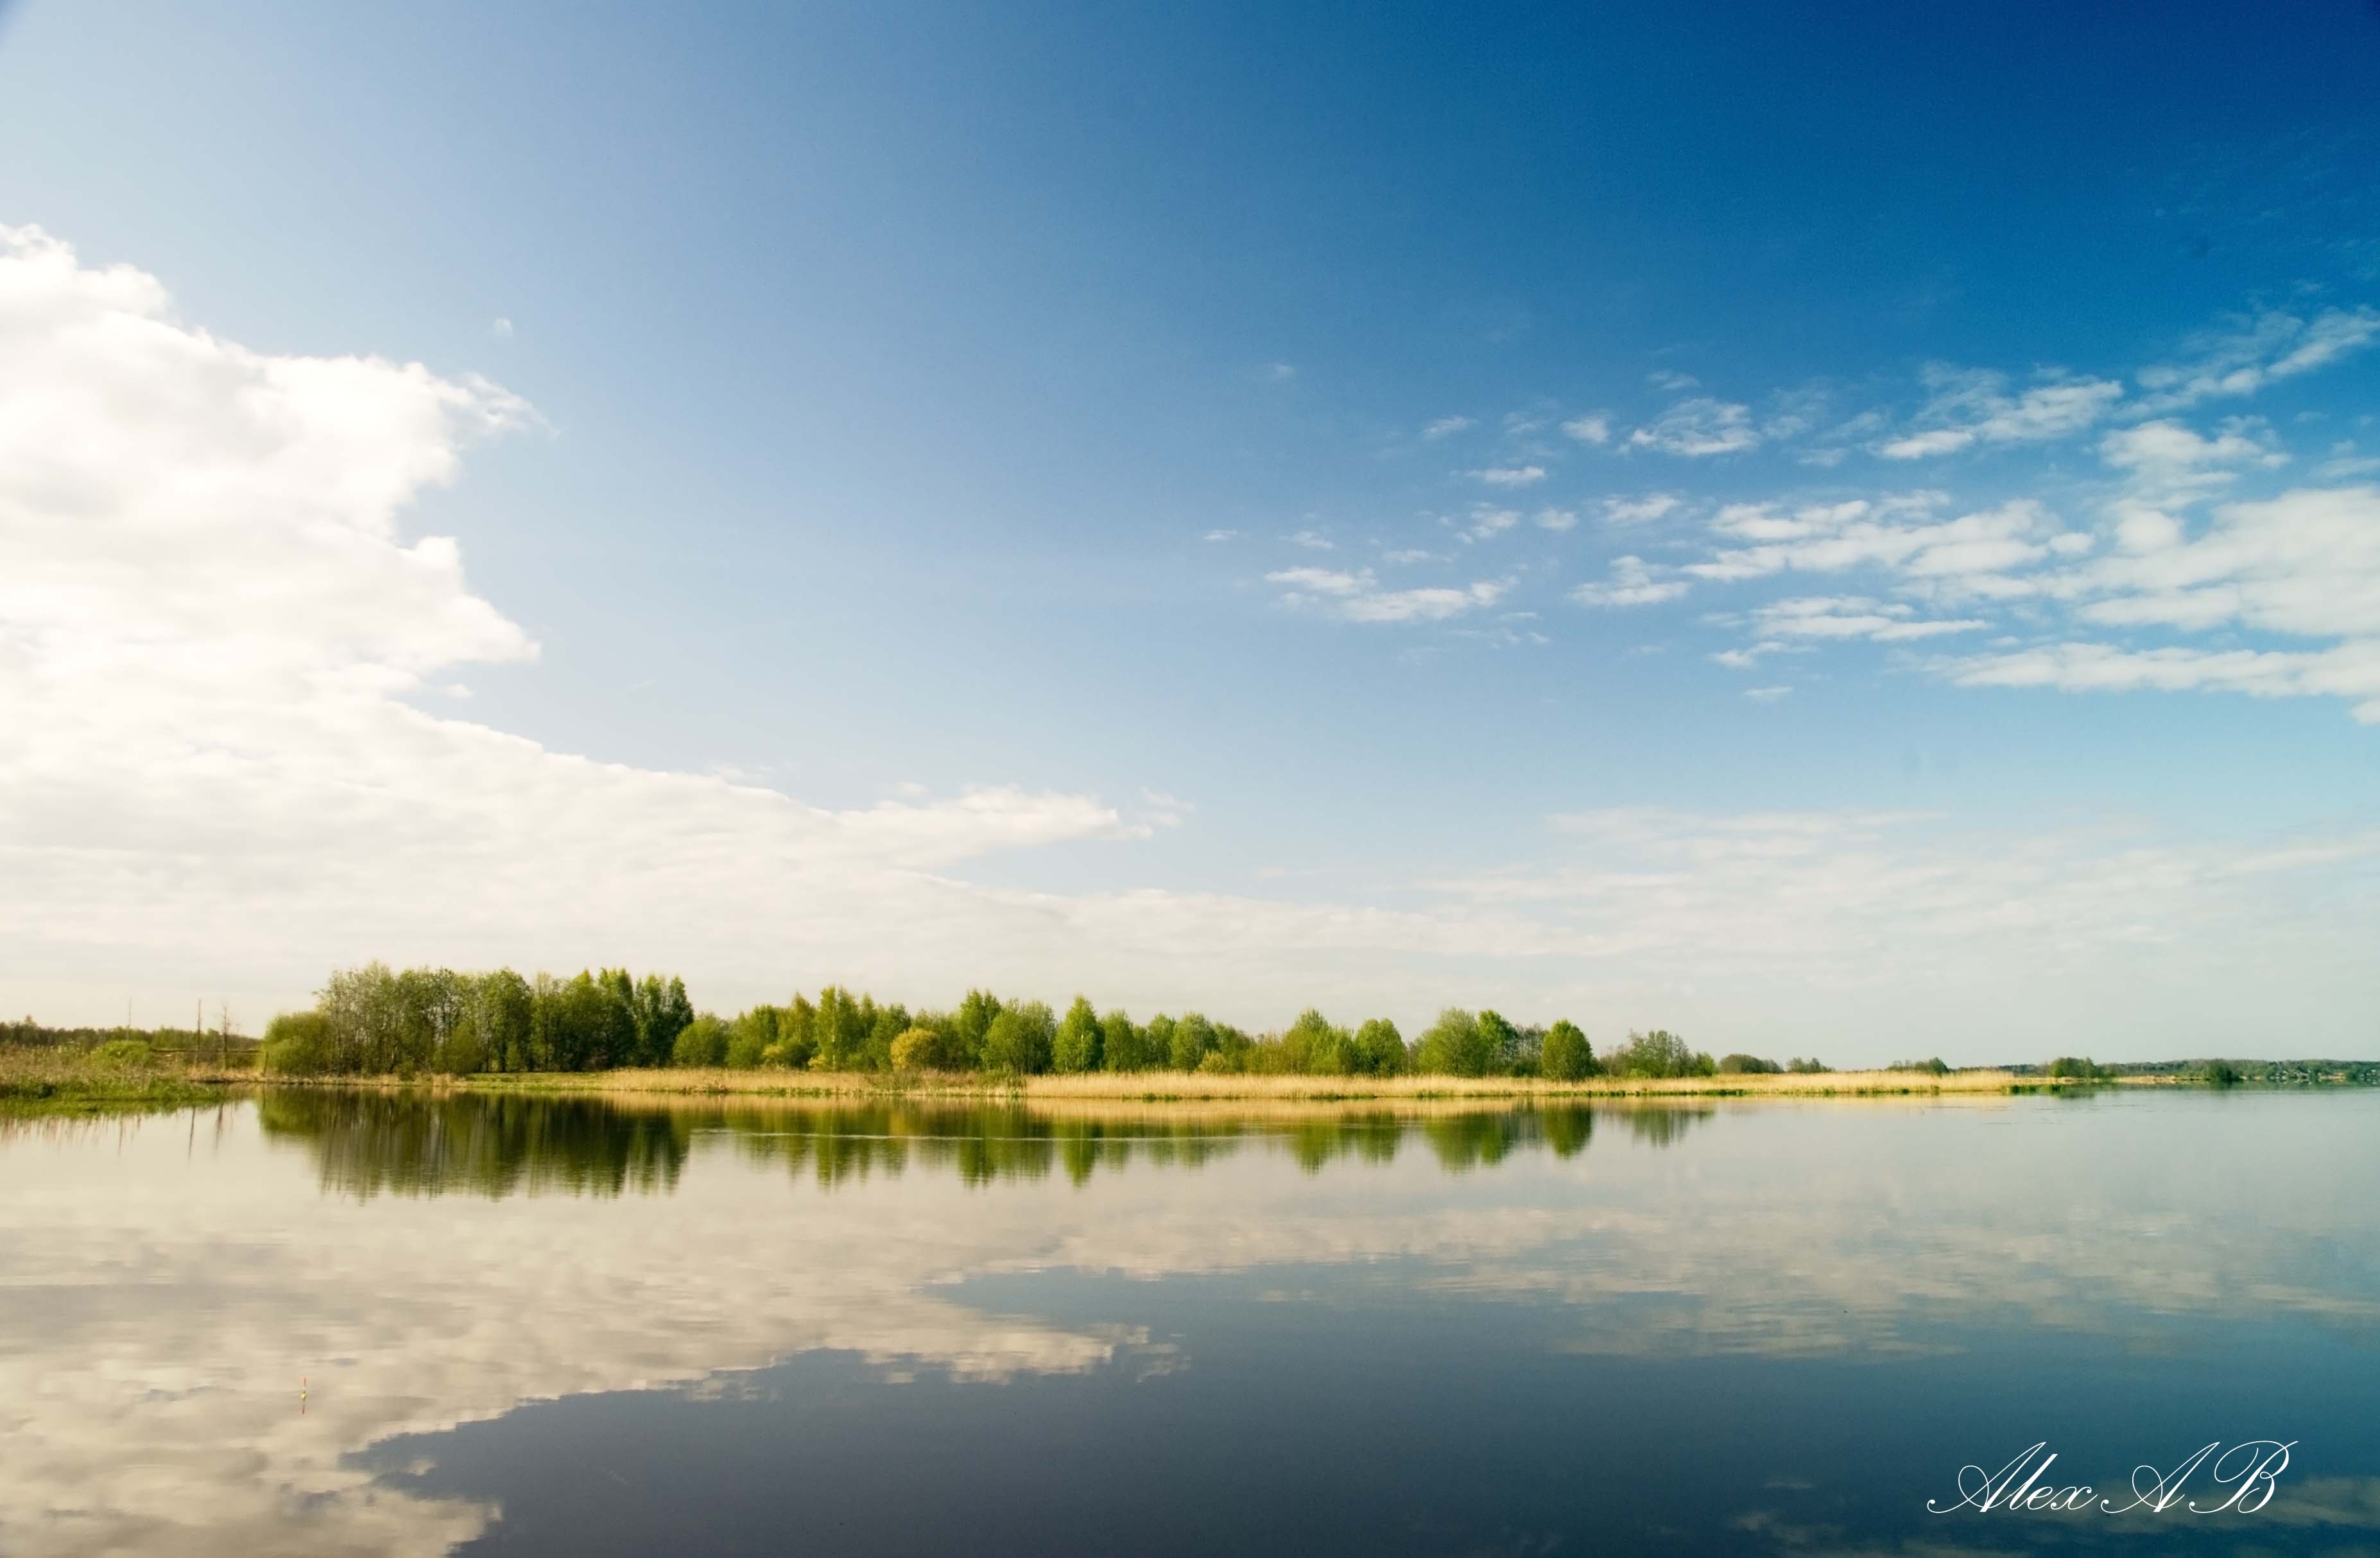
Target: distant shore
56,1080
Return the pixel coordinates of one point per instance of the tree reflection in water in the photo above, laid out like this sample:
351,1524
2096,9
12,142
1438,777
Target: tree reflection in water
367,1144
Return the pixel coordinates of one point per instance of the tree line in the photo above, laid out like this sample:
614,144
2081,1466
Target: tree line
375,1020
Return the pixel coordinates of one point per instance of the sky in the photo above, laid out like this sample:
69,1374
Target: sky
1854,533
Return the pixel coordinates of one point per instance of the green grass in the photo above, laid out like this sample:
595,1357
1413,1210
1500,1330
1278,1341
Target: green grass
59,1080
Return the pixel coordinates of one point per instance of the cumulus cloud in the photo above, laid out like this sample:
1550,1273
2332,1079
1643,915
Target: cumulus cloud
1593,428
210,625
1556,519
1446,426
1698,428
1511,475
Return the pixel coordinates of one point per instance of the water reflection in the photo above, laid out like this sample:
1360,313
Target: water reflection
370,1143
1754,1328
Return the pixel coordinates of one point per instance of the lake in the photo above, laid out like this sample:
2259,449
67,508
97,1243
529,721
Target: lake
322,1323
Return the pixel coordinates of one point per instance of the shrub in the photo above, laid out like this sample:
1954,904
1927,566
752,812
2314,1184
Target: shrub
123,1054
700,1043
925,1049
1741,1065
1936,1067
297,1044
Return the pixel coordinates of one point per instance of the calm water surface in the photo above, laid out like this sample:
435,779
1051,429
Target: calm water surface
549,1328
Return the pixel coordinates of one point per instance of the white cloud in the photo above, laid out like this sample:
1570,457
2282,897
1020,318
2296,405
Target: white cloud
1852,616
501,328
1669,379
1633,583
1277,372
1511,475
1767,694
1971,555
2168,455
2245,359
1699,428
1445,426
1556,519
1593,428
1358,597
2351,671
1641,510
1975,406
1489,521
1408,554
1220,535
1313,541
210,627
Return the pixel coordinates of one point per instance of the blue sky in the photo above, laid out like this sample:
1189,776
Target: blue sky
1528,473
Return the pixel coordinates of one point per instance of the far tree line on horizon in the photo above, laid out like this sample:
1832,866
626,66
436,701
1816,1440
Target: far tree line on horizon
374,1021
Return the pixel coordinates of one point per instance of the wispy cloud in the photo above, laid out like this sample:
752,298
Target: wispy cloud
1640,510
1699,428
2251,354
1356,596
1969,406
1593,428
1511,475
1447,426
1632,582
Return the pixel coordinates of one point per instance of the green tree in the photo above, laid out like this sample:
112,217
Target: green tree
1122,1047
1453,1045
1741,1065
1657,1054
1566,1055
1194,1039
1157,1040
1314,1046
837,1032
751,1036
660,1012
1078,1044
1019,1039
1380,1048
502,1006
972,1021
1499,1045
796,1041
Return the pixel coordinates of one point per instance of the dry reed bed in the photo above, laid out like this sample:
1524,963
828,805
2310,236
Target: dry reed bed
1175,1087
